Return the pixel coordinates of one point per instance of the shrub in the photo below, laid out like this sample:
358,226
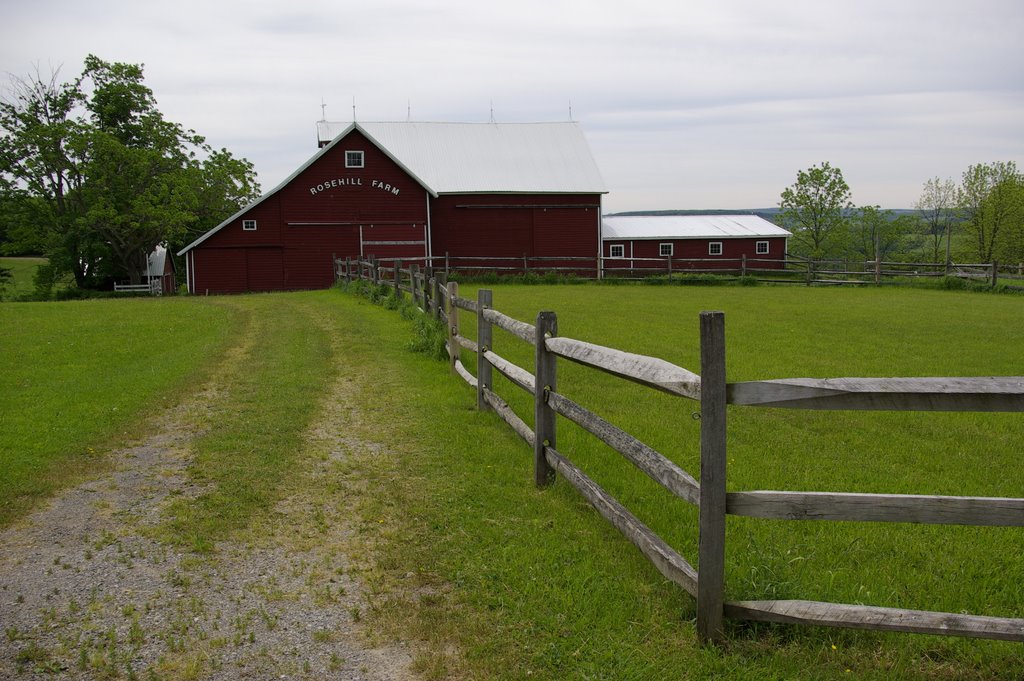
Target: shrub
429,337
44,279
953,283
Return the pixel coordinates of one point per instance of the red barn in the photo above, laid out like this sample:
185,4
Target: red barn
411,191
718,241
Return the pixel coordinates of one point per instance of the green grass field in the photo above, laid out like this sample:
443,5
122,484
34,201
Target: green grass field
772,333
79,376
470,556
22,272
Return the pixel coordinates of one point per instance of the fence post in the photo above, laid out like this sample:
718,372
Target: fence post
743,266
348,270
483,344
436,302
995,273
810,271
446,273
374,272
670,268
543,415
397,280
414,274
453,323
711,546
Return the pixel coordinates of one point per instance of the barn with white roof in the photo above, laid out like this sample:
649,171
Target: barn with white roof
413,191
703,242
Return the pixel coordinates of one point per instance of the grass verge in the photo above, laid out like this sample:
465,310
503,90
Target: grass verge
273,388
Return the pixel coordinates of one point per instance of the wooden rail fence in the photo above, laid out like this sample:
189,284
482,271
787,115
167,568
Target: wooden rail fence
789,270
711,389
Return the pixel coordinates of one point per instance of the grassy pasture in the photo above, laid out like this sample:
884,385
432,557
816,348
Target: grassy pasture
22,272
500,552
534,584
78,376
782,333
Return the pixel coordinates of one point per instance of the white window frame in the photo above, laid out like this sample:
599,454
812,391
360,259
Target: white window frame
715,248
620,247
249,225
661,250
351,156
762,248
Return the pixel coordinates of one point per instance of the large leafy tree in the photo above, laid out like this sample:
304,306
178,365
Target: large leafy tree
987,200
100,177
1010,195
877,233
814,209
936,205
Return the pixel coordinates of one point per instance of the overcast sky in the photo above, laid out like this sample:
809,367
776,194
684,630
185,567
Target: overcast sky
686,104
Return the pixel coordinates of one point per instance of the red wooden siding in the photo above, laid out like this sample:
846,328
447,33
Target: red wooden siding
514,225
683,249
320,214
264,269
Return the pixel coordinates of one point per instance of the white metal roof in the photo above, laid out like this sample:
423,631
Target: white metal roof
460,158
687,227
156,261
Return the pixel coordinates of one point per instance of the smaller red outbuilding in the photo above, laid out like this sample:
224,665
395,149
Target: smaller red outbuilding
160,272
697,242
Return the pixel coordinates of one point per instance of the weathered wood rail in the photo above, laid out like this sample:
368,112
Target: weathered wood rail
708,493
788,270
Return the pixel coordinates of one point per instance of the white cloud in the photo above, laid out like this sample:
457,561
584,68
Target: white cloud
696,105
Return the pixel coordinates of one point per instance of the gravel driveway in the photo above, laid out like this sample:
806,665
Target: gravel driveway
87,589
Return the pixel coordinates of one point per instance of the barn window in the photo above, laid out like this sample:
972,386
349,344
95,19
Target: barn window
353,159
618,251
761,248
714,248
249,225
665,250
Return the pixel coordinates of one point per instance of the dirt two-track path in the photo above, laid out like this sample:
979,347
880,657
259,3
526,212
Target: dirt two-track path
88,590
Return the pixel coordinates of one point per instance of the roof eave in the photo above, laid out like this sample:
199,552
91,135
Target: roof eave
678,237
312,159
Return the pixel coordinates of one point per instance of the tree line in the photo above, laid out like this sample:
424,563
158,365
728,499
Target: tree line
981,218
94,177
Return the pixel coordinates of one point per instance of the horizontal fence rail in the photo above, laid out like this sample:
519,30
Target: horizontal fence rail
980,394
668,562
887,508
657,467
878,619
889,394
790,269
649,371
